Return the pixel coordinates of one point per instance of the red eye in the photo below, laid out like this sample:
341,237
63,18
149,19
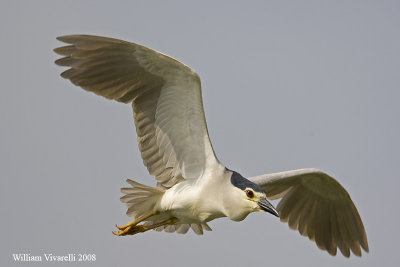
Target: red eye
249,193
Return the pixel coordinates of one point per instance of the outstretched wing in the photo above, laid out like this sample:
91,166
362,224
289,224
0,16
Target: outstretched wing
319,207
165,95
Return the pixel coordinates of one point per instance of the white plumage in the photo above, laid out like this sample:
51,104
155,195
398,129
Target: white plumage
193,188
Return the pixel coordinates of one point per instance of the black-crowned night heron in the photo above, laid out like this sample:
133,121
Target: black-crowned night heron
193,187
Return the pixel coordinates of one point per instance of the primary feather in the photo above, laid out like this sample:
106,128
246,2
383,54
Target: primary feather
165,95
319,207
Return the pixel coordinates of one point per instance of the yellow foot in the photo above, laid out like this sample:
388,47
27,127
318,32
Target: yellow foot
125,226
136,221
131,230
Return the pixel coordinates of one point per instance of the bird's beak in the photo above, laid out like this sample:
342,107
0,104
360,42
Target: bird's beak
266,206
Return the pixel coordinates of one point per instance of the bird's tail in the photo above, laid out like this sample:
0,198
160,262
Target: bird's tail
140,198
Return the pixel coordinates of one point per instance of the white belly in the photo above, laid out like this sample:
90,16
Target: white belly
185,202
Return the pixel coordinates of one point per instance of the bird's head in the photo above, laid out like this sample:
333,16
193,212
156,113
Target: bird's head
246,197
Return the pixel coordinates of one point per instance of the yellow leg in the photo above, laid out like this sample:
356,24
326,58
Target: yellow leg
128,226
135,229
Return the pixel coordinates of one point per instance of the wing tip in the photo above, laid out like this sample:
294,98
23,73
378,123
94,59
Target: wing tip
71,38
66,38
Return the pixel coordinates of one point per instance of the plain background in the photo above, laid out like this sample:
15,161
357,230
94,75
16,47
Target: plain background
286,85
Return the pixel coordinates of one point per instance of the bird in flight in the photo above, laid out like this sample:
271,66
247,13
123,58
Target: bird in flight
193,187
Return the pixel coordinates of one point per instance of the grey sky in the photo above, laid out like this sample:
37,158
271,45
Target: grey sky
286,85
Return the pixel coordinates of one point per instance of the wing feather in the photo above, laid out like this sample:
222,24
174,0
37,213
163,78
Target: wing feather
165,96
318,207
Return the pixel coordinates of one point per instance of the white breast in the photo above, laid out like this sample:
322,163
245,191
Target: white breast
189,204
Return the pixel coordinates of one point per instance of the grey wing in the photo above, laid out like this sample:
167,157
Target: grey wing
165,95
319,207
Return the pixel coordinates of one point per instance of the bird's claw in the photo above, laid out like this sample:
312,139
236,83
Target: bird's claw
120,227
130,230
